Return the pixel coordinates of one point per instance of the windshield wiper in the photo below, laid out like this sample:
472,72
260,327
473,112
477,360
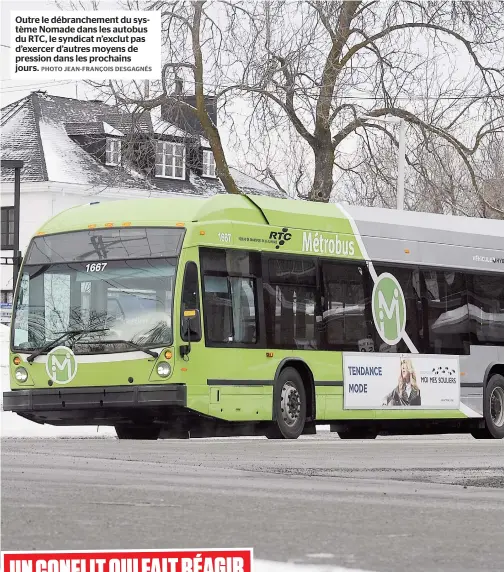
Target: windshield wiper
135,345
64,335
127,342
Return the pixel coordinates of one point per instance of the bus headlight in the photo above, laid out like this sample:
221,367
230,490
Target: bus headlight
21,374
163,369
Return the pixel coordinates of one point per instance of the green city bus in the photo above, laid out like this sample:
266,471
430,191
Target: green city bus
249,315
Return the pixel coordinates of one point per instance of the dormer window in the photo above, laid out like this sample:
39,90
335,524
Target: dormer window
208,164
170,160
113,152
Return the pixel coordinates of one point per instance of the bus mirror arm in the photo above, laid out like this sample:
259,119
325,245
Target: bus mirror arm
186,349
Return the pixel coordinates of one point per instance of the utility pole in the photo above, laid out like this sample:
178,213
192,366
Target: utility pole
401,159
401,163
16,258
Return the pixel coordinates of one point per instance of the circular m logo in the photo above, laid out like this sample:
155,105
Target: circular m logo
389,308
61,365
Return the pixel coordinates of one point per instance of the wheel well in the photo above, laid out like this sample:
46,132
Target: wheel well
497,368
308,383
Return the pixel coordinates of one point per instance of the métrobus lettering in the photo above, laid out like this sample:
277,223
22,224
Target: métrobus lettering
317,242
365,370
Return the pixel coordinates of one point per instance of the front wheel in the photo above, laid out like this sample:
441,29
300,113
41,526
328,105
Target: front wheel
138,432
493,410
289,406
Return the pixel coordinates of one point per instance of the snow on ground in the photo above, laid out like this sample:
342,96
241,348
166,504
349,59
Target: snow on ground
269,566
15,426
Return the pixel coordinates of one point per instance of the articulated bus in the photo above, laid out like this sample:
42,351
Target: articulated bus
248,315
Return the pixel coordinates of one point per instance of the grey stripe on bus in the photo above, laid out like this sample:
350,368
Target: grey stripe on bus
265,382
239,382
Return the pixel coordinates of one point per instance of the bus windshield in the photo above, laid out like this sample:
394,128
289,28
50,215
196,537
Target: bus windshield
124,301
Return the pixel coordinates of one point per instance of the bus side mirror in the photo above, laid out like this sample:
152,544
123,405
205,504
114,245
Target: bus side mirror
191,329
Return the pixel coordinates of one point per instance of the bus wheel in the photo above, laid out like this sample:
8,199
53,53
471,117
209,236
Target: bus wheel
493,410
289,403
146,432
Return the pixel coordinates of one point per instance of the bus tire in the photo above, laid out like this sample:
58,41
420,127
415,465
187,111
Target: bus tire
138,432
493,410
289,406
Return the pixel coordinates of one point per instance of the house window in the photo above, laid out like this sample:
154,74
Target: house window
208,164
7,228
6,296
170,160
113,154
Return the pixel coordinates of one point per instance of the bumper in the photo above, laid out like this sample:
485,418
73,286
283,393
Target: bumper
93,403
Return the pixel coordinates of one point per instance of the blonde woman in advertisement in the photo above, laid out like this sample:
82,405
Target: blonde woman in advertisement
407,392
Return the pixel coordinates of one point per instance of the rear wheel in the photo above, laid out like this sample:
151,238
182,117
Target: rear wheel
137,432
289,405
493,410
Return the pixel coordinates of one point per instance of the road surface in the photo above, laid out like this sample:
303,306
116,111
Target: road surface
393,504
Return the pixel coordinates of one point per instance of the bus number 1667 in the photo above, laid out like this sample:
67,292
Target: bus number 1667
96,267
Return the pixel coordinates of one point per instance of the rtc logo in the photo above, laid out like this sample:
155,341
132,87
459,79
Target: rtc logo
389,308
280,237
61,365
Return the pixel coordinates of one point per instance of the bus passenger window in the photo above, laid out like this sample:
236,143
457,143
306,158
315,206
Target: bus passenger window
230,314
445,300
290,297
486,308
230,296
345,323
217,305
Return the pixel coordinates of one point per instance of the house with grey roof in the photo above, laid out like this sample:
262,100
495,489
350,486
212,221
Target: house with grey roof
75,151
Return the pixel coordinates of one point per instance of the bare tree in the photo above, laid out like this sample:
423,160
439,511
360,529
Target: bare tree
330,68
313,77
192,43
437,181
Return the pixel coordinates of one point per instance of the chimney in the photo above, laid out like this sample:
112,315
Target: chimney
183,118
179,85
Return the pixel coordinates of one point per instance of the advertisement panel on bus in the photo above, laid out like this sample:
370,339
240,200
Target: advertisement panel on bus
381,381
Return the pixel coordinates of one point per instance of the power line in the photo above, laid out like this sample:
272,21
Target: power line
336,97
38,85
314,92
